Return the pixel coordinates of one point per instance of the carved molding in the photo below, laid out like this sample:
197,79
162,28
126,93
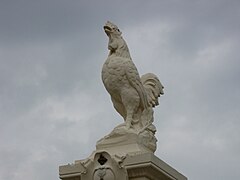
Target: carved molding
148,170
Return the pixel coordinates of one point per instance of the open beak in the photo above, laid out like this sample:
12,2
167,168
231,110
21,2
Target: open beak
107,29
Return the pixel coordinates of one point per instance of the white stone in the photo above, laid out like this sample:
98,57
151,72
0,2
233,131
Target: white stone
132,167
133,97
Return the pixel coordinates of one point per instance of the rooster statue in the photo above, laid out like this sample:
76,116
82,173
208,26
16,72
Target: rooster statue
133,97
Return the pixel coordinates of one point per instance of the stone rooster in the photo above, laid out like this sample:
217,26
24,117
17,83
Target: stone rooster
130,94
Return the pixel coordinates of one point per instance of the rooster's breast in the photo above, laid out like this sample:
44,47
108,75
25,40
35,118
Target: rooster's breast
113,74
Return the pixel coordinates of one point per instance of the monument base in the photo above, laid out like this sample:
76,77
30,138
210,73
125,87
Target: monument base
124,141
103,166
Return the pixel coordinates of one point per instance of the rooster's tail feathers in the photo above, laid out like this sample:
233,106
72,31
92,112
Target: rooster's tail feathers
153,88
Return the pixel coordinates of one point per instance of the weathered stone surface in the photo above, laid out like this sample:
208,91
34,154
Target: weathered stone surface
133,97
144,166
124,141
100,166
150,167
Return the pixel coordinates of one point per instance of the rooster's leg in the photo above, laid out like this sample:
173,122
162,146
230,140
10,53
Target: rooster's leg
119,107
130,100
129,120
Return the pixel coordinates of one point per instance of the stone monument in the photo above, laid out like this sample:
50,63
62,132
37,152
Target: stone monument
127,153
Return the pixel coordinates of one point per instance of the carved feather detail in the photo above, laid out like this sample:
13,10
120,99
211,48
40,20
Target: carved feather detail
153,87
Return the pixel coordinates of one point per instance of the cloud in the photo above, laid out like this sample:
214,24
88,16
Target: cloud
52,98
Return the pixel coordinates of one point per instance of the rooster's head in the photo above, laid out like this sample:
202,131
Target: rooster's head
111,29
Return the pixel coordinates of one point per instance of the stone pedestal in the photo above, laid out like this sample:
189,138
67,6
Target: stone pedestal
103,166
124,154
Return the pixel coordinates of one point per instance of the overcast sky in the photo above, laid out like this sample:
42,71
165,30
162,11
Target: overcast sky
54,107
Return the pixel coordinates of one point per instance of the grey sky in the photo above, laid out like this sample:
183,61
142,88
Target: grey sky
51,95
